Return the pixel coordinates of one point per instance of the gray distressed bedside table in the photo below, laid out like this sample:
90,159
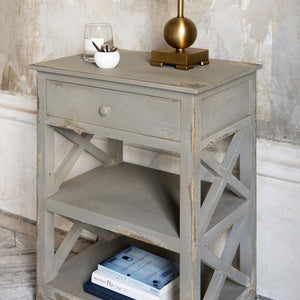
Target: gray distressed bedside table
204,116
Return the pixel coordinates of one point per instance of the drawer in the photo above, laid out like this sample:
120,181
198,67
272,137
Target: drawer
147,115
224,108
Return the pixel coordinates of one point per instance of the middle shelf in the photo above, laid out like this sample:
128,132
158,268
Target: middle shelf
134,201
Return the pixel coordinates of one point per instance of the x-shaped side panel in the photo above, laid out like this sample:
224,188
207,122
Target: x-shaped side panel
223,177
222,265
81,143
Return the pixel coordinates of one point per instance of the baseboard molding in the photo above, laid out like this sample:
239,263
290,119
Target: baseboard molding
278,160
278,226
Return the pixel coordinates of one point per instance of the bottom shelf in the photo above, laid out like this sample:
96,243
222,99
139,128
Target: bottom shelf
76,271
68,284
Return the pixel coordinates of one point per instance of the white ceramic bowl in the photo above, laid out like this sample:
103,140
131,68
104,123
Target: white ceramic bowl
107,60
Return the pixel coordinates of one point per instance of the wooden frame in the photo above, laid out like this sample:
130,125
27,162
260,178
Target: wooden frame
181,225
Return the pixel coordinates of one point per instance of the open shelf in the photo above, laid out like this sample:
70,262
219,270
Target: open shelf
123,198
133,201
69,283
76,271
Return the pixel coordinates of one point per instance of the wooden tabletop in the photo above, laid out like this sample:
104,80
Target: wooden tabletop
135,68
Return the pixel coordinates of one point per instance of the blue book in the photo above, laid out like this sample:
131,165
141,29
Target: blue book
143,270
103,293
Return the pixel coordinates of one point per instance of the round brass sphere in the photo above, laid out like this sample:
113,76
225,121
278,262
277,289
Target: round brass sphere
180,33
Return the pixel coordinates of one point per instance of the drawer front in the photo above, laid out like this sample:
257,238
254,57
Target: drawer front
147,115
224,108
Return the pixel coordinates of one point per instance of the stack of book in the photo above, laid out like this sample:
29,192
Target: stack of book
135,274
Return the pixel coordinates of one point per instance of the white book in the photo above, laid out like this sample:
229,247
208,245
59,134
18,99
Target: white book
142,269
120,287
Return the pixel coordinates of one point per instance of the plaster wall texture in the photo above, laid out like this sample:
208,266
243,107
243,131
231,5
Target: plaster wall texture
38,30
265,32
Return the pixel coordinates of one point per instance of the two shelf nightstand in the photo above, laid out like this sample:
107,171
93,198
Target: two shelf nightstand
174,215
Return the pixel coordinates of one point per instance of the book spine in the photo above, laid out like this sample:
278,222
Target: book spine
171,285
103,293
171,295
121,287
129,280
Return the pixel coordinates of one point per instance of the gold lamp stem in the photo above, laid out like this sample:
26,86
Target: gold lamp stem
180,8
180,33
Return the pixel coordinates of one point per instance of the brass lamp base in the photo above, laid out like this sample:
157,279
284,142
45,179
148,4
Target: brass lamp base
182,60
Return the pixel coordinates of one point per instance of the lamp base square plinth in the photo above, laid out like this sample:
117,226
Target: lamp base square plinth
184,61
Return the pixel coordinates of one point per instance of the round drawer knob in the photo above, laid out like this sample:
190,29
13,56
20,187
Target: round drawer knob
104,110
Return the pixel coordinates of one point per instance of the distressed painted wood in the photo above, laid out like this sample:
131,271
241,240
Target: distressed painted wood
103,108
225,224
177,216
247,162
115,149
228,271
235,103
85,144
224,177
217,281
134,68
100,232
139,206
66,246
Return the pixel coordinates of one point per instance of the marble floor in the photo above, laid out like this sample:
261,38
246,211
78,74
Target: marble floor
18,256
